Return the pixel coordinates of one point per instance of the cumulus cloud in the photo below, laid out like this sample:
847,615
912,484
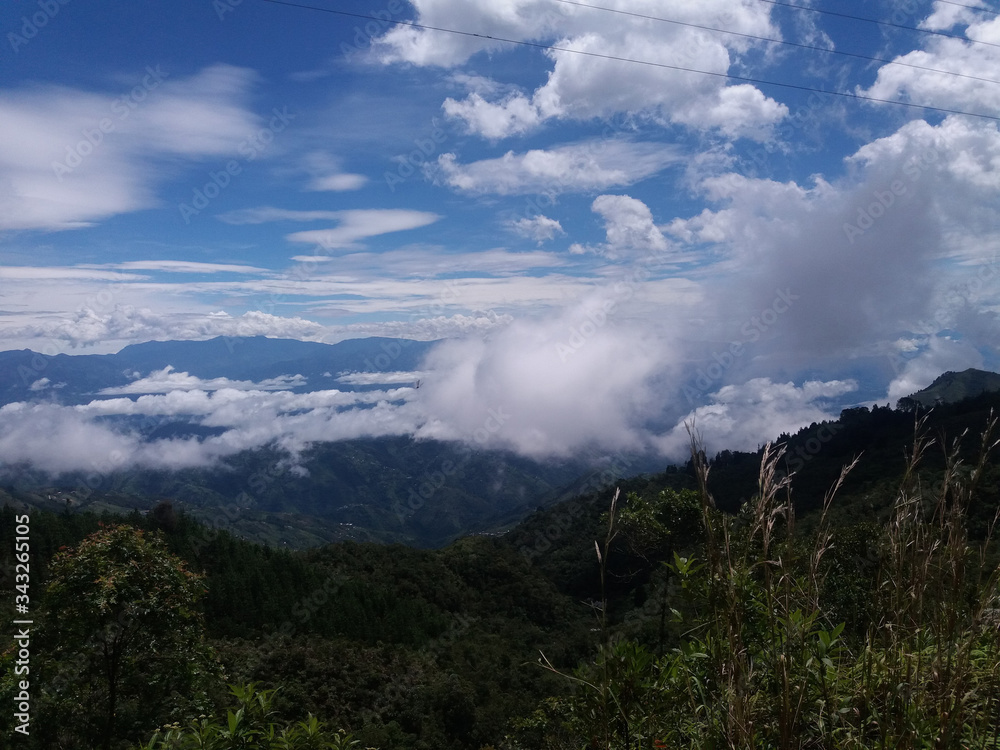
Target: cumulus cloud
545,387
629,226
860,259
539,228
972,62
588,165
745,416
589,85
921,367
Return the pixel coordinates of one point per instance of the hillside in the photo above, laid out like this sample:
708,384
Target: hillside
413,649
952,387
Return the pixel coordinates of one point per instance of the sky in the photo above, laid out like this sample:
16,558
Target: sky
628,215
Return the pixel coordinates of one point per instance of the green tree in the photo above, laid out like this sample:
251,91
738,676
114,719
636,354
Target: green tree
122,638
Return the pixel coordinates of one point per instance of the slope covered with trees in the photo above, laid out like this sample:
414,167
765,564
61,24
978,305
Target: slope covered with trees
722,607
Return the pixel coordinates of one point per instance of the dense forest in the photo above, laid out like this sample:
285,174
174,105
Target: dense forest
742,600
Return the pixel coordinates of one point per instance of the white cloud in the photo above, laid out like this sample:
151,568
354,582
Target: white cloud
588,165
168,380
428,328
339,183
59,439
629,226
326,174
185,266
539,228
358,224
24,273
428,262
380,378
549,387
63,170
591,85
744,417
264,214
865,257
494,120
974,61
130,324
941,354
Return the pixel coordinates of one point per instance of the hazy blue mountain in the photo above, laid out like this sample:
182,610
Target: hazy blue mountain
421,492
27,375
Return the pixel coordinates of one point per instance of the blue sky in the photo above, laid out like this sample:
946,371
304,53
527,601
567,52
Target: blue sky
609,246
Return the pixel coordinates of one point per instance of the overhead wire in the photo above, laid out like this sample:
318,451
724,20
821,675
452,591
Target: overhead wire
878,22
650,63
777,41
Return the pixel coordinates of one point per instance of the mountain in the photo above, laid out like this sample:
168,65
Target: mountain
952,387
72,379
412,648
387,489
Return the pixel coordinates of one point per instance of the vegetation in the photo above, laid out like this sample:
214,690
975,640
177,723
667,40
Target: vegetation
729,603
761,659
251,724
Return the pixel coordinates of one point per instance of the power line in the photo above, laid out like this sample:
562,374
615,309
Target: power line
778,41
880,23
554,48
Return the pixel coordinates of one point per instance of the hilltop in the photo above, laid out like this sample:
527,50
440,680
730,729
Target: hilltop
951,387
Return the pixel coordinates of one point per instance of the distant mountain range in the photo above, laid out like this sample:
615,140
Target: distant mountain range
25,375
392,488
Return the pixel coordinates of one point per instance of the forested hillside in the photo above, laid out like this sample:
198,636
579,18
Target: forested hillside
717,610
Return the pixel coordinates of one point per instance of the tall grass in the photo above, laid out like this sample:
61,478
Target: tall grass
761,661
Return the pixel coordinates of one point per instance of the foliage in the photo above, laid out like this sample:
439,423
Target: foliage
251,725
762,664
773,620
120,644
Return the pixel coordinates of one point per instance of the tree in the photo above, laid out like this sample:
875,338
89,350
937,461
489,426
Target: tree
124,637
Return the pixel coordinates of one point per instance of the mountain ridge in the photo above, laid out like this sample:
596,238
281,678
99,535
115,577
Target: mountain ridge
75,378
950,387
